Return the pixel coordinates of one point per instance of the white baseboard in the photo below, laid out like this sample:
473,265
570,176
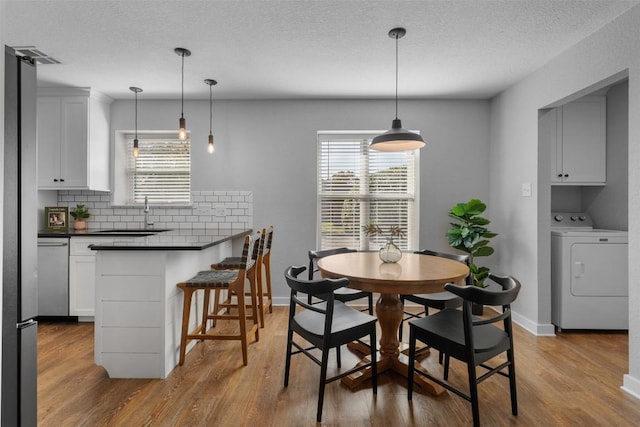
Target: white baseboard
631,385
537,329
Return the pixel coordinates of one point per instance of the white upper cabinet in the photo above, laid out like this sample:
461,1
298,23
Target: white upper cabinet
579,154
73,139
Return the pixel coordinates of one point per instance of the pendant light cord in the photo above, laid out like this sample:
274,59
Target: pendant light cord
182,97
397,76
136,114
210,110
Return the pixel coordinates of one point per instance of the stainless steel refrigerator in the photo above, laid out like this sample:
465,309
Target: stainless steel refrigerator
19,270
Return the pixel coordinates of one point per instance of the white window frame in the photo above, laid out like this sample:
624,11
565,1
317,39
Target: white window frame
123,159
412,196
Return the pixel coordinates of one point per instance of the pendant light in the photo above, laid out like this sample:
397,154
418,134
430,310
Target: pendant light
397,138
211,83
182,133
136,90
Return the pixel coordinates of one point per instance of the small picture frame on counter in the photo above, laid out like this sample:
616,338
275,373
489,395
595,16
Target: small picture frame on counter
56,218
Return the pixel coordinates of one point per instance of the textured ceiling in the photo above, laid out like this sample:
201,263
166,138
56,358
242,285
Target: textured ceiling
259,49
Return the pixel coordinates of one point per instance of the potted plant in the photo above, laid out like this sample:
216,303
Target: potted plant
79,214
469,234
389,252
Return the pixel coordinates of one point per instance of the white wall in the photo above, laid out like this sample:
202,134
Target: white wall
269,148
517,158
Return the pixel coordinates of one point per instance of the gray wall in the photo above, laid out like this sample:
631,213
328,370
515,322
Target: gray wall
269,148
599,60
609,204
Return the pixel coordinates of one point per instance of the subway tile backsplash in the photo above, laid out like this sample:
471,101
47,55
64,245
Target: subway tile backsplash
209,210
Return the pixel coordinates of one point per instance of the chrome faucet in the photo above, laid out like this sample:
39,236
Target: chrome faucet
147,224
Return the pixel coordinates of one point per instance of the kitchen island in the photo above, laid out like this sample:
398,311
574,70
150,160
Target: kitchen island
139,306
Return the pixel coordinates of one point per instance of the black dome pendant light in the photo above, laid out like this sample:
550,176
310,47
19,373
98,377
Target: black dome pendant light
211,83
182,133
136,91
397,138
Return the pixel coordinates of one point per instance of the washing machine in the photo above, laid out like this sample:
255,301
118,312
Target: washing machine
589,274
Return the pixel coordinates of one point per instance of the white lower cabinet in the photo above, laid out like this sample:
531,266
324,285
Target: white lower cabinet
82,277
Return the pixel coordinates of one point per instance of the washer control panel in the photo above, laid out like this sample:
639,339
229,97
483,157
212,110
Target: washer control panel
571,220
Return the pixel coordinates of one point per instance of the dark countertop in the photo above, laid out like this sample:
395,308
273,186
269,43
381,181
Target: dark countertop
171,240
97,232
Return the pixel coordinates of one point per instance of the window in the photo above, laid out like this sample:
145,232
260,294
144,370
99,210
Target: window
358,186
161,172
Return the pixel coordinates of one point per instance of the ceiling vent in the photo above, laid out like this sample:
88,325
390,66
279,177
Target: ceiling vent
37,55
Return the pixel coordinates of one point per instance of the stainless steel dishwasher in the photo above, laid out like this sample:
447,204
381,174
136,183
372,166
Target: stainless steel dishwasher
53,276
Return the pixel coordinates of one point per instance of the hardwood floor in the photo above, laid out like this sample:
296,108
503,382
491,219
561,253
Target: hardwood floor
571,380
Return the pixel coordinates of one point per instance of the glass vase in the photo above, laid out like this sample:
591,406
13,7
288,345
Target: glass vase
390,252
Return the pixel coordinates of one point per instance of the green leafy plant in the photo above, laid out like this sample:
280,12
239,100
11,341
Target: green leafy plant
80,213
469,234
376,230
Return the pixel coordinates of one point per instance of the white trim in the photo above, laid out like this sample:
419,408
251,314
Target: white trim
631,385
537,329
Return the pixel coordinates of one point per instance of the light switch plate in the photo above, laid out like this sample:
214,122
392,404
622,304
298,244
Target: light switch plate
526,190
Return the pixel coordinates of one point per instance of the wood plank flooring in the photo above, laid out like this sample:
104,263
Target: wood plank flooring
572,379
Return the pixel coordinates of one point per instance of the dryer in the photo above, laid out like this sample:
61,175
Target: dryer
589,274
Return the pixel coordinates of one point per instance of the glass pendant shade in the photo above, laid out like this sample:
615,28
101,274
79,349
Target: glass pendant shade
211,84
397,138
136,91
182,132
210,148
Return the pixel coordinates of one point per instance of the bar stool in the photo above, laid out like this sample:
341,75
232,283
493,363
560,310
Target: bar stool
234,282
266,263
262,259
253,275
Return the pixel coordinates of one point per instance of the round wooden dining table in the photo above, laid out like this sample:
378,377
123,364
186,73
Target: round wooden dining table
413,274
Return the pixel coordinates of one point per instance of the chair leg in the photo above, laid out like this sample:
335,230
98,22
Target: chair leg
323,382
446,367
374,359
255,285
205,311
186,308
402,320
412,360
254,308
267,273
370,300
242,317
338,357
216,305
473,393
512,382
287,365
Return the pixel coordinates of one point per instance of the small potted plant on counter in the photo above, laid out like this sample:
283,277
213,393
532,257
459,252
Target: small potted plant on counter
80,214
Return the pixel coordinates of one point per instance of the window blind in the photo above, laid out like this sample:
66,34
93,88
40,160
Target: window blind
358,186
162,171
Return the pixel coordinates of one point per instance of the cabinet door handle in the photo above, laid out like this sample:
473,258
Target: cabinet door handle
55,179
559,175
566,175
61,180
